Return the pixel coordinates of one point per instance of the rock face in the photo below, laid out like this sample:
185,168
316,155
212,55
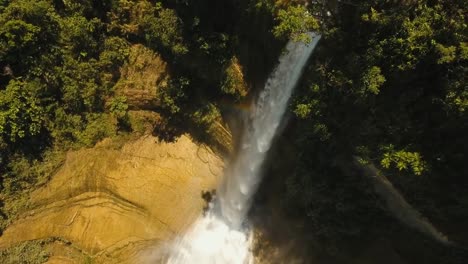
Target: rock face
111,204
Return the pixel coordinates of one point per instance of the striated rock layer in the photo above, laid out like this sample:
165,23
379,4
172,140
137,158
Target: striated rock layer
112,204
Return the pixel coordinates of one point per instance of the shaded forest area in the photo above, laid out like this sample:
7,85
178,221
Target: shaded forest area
387,85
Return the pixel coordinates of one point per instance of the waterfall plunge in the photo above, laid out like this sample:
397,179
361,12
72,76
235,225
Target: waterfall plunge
219,238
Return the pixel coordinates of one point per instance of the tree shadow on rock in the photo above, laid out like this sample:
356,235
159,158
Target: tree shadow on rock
208,197
167,130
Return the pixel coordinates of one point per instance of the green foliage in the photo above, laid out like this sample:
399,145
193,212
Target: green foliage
115,53
390,73
80,7
458,100
403,160
267,5
303,110
78,34
29,28
30,252
28,172
164,30
18,35
118,106
294,22
447,54
206,116
65,127
214,47
308,106
172,96
60,67
72,130
463,50
372,80
3,4
126,16
21,114
81,87
234,83
98,127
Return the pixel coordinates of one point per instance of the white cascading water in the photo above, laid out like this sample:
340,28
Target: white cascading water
220,237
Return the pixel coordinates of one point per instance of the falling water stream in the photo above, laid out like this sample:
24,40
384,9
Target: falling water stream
222,236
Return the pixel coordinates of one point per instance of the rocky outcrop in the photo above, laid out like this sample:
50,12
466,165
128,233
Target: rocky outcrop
112,204
142,77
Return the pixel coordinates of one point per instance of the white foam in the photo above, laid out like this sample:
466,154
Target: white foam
212,241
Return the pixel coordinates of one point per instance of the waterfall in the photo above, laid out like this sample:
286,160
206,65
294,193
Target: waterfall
219,237
242,178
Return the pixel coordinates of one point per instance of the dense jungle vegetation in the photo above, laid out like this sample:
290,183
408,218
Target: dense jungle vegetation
386,86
